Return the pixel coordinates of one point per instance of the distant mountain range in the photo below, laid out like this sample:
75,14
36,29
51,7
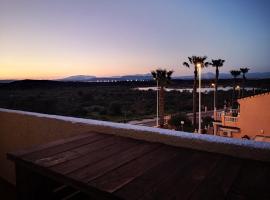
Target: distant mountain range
146,77
81,78
140,77
210,75
7,81
86,78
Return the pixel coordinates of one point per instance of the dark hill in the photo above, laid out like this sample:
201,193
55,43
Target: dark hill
49,84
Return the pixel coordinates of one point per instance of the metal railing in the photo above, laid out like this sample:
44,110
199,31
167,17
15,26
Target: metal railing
231,119
219,114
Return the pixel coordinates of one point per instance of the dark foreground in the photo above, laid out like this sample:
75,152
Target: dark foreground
99,166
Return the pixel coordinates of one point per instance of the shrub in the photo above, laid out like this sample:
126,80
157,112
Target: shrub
175,121
115,108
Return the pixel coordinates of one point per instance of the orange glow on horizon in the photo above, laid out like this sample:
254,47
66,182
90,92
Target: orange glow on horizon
33,71
35,66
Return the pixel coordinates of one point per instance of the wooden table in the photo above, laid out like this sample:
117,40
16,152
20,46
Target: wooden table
100,166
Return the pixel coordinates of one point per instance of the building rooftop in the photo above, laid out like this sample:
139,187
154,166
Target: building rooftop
255,95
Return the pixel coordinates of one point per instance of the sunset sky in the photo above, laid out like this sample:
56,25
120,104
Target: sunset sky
46,39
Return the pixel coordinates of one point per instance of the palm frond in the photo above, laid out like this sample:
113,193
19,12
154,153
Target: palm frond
162,76
186,64
235,73
190,60
244,70
217,63
154,74
206,64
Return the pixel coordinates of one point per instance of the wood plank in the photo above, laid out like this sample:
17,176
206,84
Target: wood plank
121,144
252,182
121,176
107,166
154,176
181,184
76,152
21,152
110,163
218,183
92,192
63,147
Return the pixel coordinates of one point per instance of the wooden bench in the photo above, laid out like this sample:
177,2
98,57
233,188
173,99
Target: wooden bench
100,166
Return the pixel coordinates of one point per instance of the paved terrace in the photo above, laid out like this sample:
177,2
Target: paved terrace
117,161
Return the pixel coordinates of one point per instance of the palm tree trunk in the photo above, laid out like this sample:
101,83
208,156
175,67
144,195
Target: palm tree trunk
243,85
234,94
161,107
194,100
216,86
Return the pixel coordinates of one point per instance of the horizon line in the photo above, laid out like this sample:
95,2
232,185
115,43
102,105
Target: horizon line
117,76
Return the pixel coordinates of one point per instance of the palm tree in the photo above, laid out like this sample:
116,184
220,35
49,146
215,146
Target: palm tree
235,74
244,71
163,78
195,61
217,64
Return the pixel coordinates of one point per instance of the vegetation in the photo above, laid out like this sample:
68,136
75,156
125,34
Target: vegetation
119,102
216,64
163,78
197,62
207,121
244,71
235,74
175,122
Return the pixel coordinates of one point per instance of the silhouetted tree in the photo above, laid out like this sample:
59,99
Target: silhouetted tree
163,78
244,71
217,64
175,122
195,61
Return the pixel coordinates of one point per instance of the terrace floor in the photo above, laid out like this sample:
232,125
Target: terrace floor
102,166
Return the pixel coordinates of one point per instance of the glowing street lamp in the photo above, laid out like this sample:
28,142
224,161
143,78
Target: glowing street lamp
214,85
199,66
239,90
182,125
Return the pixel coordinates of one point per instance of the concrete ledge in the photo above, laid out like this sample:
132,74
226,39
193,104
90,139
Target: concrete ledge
21,129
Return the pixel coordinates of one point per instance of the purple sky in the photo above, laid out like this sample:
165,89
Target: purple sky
57,38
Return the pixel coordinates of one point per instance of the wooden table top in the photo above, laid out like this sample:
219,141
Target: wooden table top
114,167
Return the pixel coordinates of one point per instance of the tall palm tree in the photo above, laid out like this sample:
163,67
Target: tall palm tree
163,78
195,60
235,74
244,71
217,64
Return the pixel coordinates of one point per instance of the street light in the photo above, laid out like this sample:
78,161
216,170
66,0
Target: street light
213,85
239,90
199,66
182,125
157,102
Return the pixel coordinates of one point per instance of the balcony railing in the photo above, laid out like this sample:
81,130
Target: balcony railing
219,114
232,112
231,119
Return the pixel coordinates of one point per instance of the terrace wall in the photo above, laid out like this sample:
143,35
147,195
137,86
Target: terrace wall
19,130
